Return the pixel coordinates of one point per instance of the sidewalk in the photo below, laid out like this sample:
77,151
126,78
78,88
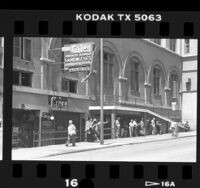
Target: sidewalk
37,153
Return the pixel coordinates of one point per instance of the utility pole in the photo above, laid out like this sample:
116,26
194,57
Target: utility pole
101,92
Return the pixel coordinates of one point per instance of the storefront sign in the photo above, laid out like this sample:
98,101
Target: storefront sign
78,57
58,102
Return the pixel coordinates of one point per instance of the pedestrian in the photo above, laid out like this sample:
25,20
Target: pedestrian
158,127
142,128
71,134
88,133
131,126
126,130
117,127
173,128
153,124
135,128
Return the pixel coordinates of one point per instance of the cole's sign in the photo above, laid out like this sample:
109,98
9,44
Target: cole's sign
78,57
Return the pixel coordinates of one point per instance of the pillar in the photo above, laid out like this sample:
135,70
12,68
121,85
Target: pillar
113,117
147,93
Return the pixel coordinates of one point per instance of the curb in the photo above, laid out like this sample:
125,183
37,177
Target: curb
117,145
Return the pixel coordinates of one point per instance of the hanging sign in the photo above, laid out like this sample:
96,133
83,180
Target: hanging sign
79,57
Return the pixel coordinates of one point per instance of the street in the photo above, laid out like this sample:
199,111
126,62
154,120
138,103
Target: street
175,150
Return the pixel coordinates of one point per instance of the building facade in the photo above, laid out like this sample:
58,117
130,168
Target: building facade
142,79
45,97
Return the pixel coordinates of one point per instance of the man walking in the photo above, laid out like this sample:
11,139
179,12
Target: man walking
153,124
71,133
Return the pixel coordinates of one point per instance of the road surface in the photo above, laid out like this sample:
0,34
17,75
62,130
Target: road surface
175,150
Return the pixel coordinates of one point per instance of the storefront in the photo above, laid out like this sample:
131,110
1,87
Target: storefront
61,110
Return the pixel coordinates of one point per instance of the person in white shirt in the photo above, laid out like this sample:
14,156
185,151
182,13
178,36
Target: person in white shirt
131,126
135,128
71,133
174,128
153,124
88,126
117,127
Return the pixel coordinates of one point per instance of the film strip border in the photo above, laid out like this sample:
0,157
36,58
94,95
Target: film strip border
63,24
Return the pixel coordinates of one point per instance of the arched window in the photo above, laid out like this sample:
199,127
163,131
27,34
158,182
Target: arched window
134,75
108,69
174,85
157,81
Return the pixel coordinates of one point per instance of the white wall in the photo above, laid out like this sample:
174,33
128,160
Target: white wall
189,109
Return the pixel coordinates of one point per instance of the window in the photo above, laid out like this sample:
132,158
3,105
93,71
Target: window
134,76
22,48
157,41
156,81
174,85
69,86
108,69
187,46
22,78
27,49
16,47
172,44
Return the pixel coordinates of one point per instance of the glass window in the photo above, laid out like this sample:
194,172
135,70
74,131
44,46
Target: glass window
69,86
16,47
65,85
187,46
157,81
72,86
108,69
134,76
174,85
26,79
27,49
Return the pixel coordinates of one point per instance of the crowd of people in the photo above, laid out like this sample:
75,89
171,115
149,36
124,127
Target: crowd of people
135,128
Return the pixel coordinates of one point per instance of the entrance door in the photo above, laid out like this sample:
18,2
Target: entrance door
26,134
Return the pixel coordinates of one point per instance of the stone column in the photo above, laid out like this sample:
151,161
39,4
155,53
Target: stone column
113,117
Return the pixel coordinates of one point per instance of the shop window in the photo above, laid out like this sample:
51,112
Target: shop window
187,46
22,48
172,44
134,76
174,85
157,81
108,69
69,86
22,78
157,41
